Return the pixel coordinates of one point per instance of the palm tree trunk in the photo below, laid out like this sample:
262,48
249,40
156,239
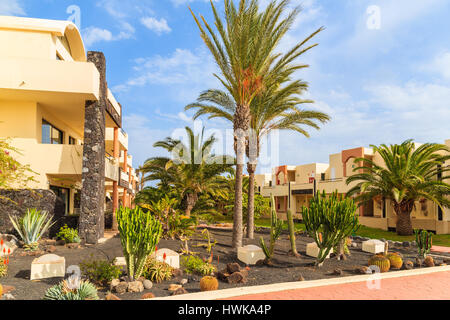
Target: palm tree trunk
191,200
403,211
251,168
241,125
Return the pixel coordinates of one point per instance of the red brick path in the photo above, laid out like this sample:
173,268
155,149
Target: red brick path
433,286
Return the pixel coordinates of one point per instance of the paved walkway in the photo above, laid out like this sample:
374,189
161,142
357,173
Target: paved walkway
433,286
440,249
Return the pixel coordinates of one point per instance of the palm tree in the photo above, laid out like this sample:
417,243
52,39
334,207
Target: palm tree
409,174
244,49
276,109
193,170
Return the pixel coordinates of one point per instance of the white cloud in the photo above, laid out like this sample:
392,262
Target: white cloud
440,65
92,35
182,2
11,8
184,73
158,26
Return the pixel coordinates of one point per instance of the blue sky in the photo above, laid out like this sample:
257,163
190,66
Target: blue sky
380,85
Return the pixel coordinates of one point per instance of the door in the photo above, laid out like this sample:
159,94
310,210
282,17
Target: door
64,195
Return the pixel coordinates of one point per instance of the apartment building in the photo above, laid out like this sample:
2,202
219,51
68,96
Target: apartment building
56,107
293,187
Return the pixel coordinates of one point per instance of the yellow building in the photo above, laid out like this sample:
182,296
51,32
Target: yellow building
47,84
293,186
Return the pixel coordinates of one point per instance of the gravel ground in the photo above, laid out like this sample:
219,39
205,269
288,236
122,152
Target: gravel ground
286,268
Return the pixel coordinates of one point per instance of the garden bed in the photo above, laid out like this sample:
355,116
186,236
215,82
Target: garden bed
285,269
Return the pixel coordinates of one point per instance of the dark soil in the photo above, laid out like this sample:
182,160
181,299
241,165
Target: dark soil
285,268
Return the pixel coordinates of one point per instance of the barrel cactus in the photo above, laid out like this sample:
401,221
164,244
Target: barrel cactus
395,259
429,261
209,283
381,262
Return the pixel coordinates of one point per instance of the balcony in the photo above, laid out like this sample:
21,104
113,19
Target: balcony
111,169
109,140
129,160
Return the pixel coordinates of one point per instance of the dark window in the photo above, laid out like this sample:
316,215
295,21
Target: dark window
322,176
72,141
64,195
50,134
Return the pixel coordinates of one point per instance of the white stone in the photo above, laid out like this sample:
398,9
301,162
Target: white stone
10,243
172,257
250,254
373,246
312,250
48,266
120,261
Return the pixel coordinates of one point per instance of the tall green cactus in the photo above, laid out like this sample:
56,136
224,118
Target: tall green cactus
291,227
276,227
139,234
329,220
424,241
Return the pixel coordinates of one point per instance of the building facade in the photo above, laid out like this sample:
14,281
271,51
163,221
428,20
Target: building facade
293,187
57,109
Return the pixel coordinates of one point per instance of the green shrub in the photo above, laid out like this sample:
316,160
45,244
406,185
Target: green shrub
193,264
157,271
139,235
31,227
62,291
68,235
100,271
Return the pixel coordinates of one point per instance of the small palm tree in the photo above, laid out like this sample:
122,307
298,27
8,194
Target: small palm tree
193,170
407,175
244,49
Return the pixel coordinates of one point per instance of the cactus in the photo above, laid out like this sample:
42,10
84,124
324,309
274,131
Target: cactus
209,283
291,227
276,227
429,261
381,262
395,259
424,241
329,221
3,268
139,235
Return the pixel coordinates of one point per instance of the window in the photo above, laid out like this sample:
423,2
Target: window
50,134
63,196
322,176
72,141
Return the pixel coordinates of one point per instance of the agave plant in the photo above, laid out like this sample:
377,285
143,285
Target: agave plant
64,291
32,226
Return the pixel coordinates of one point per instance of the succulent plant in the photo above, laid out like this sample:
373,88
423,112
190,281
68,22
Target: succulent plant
429,261
157,271
276,226
31,227
63,291
3,268
395,259
209,283
381,262
424,241
139,234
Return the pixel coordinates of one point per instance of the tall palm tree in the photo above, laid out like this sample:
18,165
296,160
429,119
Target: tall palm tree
243,47
276,109
408,174
193,170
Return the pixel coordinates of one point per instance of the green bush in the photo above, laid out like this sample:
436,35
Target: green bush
100,271
139,235
157,271
68,235
193,264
